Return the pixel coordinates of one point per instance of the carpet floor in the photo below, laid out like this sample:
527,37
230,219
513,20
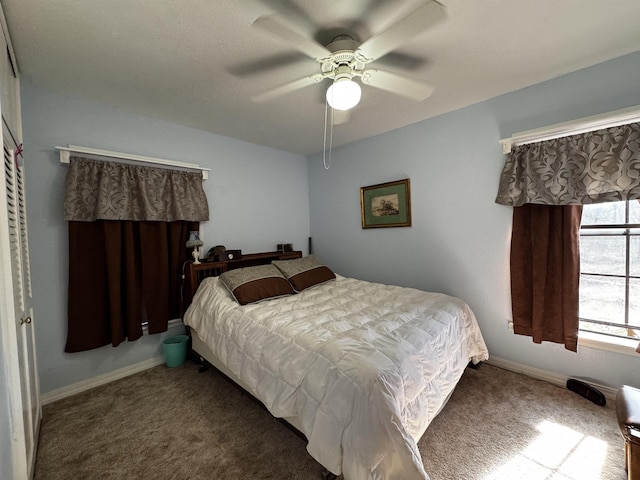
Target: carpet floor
176,423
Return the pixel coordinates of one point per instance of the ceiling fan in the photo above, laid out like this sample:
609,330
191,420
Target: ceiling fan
344,58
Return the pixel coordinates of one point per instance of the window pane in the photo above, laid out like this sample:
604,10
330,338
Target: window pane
634,303
603,213
602,298
604,255
606,329
634,256
634,211
603,252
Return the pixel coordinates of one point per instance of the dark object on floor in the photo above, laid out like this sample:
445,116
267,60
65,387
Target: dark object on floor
327,475
628,413
475,366
587,391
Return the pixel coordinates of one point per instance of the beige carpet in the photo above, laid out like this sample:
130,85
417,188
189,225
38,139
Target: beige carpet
174,423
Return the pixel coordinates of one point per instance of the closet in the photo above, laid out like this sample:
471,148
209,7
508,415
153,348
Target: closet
20,409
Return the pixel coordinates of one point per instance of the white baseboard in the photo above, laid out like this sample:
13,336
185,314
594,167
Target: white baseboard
90,383
553,378
59,394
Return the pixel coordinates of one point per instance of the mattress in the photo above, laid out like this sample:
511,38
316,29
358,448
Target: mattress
362,368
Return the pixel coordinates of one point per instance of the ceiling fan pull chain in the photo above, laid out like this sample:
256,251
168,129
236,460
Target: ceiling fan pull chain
331,138
324,144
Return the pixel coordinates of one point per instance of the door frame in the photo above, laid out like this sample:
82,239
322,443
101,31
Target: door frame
22,460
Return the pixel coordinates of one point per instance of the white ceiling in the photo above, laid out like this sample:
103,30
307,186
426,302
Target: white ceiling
198,62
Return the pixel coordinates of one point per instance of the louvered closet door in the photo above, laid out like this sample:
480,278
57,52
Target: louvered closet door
22,305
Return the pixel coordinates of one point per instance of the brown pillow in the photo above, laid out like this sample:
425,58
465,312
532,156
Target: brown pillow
253,284
304,272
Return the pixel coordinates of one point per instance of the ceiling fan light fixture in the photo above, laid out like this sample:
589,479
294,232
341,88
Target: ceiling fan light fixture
343,94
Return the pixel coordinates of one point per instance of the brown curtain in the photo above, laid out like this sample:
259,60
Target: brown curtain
545,272
547,183
128,227
122,273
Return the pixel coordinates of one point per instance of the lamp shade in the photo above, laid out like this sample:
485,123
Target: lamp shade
194,240
343,94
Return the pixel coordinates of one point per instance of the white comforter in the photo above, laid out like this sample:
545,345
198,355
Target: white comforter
362,367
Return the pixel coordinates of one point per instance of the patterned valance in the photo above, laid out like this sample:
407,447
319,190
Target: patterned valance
593,167
102,190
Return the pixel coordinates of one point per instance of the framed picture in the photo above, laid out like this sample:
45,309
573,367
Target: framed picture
386,205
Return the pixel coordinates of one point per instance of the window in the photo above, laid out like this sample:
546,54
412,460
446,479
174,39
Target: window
610,269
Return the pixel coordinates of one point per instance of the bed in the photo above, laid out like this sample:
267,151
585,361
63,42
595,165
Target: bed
359,368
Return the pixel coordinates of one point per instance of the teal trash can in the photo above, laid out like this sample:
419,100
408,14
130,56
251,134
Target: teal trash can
175,350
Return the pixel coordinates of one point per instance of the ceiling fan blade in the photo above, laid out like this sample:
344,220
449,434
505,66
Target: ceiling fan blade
268,64
401,61
397,84
403,30
295,14
281,29
288,88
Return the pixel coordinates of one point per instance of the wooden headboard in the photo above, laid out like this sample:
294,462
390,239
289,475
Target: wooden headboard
197,273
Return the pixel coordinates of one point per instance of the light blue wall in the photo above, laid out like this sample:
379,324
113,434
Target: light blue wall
458,244
459,241
258,197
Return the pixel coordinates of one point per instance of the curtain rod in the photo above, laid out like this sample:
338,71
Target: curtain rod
66,151
573,127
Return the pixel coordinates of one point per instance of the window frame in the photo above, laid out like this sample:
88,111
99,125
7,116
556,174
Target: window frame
594,338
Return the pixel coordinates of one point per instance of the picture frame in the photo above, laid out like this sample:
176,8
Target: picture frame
386,204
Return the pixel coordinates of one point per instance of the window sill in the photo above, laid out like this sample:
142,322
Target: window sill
606,342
